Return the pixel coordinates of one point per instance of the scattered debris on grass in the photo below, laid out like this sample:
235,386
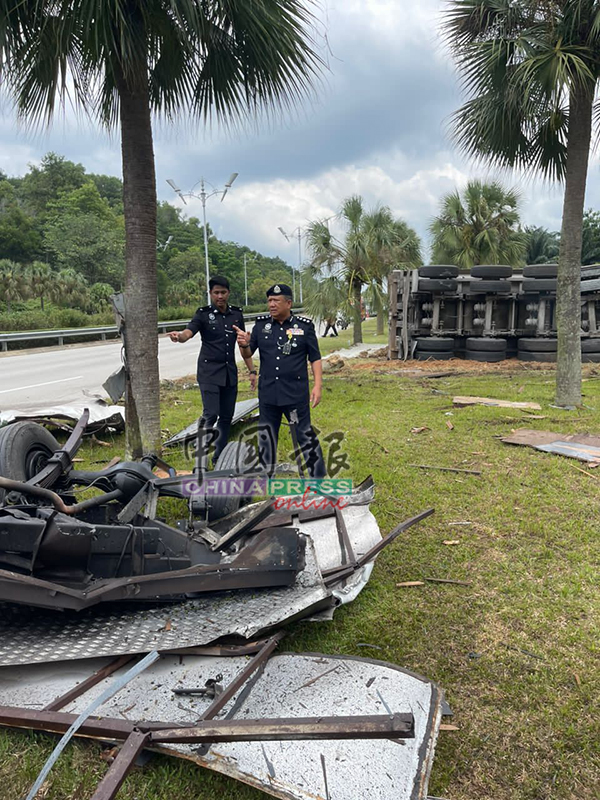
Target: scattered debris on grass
461,401
446,469
582,446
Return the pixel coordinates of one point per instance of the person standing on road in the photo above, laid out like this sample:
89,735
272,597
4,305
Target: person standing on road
331,322
217,373
285,342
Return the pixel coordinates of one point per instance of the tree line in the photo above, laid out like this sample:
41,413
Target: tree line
62,240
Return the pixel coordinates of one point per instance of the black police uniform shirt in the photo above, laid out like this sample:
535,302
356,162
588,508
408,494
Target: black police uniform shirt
216,362
284,375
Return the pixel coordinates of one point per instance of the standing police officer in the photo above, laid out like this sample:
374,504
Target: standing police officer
285,341
217,371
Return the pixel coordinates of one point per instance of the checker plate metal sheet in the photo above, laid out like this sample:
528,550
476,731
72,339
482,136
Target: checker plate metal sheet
33,635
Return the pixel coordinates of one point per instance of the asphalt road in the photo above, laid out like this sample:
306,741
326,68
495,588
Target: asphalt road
61,375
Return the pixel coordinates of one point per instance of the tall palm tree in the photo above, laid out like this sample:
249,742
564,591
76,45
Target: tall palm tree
531,70
479,227
354,259
42,281
13,283
124,60
404,252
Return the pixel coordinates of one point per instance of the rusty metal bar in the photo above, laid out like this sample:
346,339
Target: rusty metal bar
228,692
380,726
340,524
121,767
92,680
337,574
245,526
62,459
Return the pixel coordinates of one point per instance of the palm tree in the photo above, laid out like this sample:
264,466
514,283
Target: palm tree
368,237
13,283
531,71
124,60
542,245
404,252
42,282
479,227
72,288
324,299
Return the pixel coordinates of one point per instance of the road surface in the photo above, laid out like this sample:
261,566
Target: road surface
62,375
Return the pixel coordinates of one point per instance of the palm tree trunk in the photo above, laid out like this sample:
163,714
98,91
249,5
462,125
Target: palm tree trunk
568,291
357,336
142,401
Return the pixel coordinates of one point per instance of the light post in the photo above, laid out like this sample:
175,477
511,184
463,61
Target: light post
246,275
203,196
297,232
161,246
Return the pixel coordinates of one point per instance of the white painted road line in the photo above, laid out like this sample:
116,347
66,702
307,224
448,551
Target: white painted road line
35,385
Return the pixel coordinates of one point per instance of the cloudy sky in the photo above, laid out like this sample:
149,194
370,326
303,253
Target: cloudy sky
377,126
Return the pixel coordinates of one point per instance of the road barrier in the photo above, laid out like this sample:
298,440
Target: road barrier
101,332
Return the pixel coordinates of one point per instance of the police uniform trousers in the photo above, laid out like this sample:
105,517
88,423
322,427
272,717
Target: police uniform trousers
270,421
218,403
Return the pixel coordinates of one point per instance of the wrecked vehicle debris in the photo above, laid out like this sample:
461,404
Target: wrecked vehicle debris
105,549
285,724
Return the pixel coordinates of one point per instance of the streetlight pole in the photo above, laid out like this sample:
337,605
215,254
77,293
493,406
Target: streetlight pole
203,197
297,231
246,274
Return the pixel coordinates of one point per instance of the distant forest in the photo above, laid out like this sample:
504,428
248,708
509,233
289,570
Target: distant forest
62,240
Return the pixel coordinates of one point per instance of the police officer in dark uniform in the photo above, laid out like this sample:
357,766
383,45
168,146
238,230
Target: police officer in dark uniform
285,342
217,371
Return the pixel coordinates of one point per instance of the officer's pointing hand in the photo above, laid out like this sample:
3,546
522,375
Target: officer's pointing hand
243,338
174,336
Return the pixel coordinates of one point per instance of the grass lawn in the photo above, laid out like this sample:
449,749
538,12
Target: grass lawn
516,650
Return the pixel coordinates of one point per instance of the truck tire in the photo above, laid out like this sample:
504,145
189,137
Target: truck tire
540,271
489,287
491,271
590,345
531,285
482,344
25,447
485,355
239,457
527,355
435,355
437,285
439,271
435,343
538,345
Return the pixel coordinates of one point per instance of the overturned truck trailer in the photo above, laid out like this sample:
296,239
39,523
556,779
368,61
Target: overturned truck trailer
491,314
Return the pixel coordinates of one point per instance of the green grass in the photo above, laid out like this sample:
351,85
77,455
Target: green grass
516,651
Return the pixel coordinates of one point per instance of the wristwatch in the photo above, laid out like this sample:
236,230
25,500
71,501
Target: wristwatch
252,372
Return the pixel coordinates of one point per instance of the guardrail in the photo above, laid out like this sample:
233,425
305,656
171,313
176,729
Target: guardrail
101,332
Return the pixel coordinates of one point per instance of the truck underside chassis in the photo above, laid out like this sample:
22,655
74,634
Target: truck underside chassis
490,314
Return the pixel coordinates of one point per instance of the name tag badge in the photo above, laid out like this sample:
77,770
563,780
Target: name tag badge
297,332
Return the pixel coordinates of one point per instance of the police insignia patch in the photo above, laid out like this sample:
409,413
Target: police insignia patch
277,289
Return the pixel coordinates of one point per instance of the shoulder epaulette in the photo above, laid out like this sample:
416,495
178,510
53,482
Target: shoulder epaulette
263,316
204,308
236,308
304,319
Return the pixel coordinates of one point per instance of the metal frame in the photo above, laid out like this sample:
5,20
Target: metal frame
136,736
